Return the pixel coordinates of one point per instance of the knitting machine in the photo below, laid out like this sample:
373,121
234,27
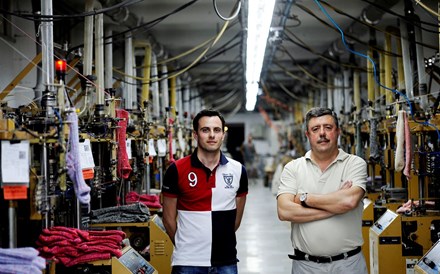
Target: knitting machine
130,262
402,239
149,240
430,262
367,222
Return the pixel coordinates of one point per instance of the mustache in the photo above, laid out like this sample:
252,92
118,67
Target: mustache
323,140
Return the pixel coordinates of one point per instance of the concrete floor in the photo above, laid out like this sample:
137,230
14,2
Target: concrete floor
263,241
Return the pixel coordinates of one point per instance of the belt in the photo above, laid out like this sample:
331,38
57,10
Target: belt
299,255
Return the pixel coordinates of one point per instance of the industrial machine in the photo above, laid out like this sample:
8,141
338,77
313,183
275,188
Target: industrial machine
430,262
397,241
131,262
367,222
149,239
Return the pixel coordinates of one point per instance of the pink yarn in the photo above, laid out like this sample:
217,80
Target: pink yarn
124,168
408,149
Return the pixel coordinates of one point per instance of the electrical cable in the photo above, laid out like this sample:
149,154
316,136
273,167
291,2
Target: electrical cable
299,77
353,38
398,15
428,9
155,21
188,67
50,18
145,26
237,8
196,48
319,55
376,28
303,69
38,43
206,59
287,91
231,71
425,123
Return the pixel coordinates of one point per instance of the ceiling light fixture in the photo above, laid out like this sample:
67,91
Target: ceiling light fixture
259,20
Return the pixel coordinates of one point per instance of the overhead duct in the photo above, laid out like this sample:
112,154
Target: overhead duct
372,14
120,16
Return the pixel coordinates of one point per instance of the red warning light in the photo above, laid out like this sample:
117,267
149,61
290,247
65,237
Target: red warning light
60,66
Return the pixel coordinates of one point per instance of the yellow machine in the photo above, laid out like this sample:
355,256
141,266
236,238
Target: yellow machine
150,240
430,262
367,222
397,242
130,262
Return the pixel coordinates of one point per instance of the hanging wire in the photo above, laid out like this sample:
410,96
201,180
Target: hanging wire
425,123
235,12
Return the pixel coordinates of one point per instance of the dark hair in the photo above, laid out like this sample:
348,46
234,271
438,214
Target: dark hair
208,113
318,112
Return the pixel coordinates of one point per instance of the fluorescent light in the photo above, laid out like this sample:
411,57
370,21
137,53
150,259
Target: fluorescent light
251,95
259,19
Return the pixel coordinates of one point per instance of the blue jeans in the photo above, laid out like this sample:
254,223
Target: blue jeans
224,269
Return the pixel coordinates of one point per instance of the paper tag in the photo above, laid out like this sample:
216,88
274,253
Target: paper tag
162,147
15,163
128,146
151,148
86,155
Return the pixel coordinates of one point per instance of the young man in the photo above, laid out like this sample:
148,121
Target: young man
321,194
204,195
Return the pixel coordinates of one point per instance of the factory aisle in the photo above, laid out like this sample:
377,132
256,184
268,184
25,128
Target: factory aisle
263,241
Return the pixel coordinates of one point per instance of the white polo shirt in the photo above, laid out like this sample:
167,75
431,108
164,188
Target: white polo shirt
339,233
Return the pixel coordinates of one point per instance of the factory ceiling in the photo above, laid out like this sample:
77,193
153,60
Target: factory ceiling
304,45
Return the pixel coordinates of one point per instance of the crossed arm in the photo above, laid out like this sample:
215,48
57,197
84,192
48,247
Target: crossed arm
321,206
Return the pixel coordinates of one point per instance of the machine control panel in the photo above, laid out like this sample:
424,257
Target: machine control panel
430,262
384,221
136,263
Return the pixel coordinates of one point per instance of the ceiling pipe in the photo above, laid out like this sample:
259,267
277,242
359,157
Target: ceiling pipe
372,15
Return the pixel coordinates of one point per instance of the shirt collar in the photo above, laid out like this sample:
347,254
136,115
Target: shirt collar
342,155
196,162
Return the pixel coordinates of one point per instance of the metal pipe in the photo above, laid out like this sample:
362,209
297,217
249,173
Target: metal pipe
12,216
88,48
99,57
108,62
146,72
179,105
155,87
129,91
370,80
46,187
421,73
47,45
388,69
407,68
173,97
329,91
348,92
164,88
357,92
186,99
